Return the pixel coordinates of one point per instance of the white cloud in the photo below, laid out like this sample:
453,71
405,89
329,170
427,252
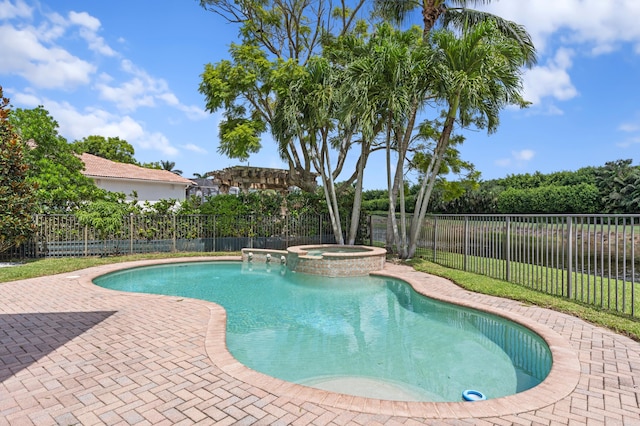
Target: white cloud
33,53
600,25
523,155
36,53
503,162
83,19
143,90
629,127
26,99
550,80
518,158
52,29
632,129
75,124
23,54
194,148
169,99
193,112
129,96
158,142
10,10
629,142
89,27
562,29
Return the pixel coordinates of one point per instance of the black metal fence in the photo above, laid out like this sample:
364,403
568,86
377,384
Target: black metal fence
65,236
593,259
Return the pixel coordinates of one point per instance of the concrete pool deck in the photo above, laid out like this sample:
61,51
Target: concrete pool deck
74,353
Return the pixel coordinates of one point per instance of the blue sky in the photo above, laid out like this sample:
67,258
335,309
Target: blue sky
132,69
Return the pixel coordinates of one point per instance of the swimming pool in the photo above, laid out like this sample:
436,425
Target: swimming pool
373,337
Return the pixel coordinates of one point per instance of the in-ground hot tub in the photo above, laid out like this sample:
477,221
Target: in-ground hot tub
332,260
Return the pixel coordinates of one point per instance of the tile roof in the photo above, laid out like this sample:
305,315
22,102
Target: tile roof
95,166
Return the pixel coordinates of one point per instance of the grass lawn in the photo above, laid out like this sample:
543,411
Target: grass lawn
473,282
52,266
619,323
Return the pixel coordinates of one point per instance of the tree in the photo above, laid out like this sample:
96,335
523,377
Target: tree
112,148
53,167
201,175
170,166
618,182
280,42
388,85
16,193
105,216
278,39
459,17
306,111
152,165
478,75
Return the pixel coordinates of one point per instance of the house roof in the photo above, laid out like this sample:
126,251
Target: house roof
99,167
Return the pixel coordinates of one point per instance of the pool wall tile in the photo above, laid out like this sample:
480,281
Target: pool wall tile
329,264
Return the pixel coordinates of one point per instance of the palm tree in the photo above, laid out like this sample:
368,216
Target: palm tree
387,87
478,74
306,112
169,166
437,11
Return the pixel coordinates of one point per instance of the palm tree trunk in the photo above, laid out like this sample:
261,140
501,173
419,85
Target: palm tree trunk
431,11
357,196
431,175
403,223
330,192
389,242
404,139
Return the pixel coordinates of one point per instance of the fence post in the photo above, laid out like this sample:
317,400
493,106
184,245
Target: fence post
466,242
370,230
37,233
251,230
435,237
173,234
633,266
508,249
285,230
131,233
86,240
570,255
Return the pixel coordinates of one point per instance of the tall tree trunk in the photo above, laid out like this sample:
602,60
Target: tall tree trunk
431,175
337,224
431,11
322,164
357,196
403,223
389,242
403,140
397,190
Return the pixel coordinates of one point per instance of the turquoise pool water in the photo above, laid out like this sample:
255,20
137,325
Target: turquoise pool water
368,336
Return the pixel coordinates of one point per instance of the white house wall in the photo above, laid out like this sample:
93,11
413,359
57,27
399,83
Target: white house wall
146,190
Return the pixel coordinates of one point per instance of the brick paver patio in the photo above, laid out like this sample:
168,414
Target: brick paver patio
72,353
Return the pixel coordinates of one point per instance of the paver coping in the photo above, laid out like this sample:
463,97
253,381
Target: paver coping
561,381
72,352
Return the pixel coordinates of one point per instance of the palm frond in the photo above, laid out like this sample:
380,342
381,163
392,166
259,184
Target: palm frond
465,18
395,11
